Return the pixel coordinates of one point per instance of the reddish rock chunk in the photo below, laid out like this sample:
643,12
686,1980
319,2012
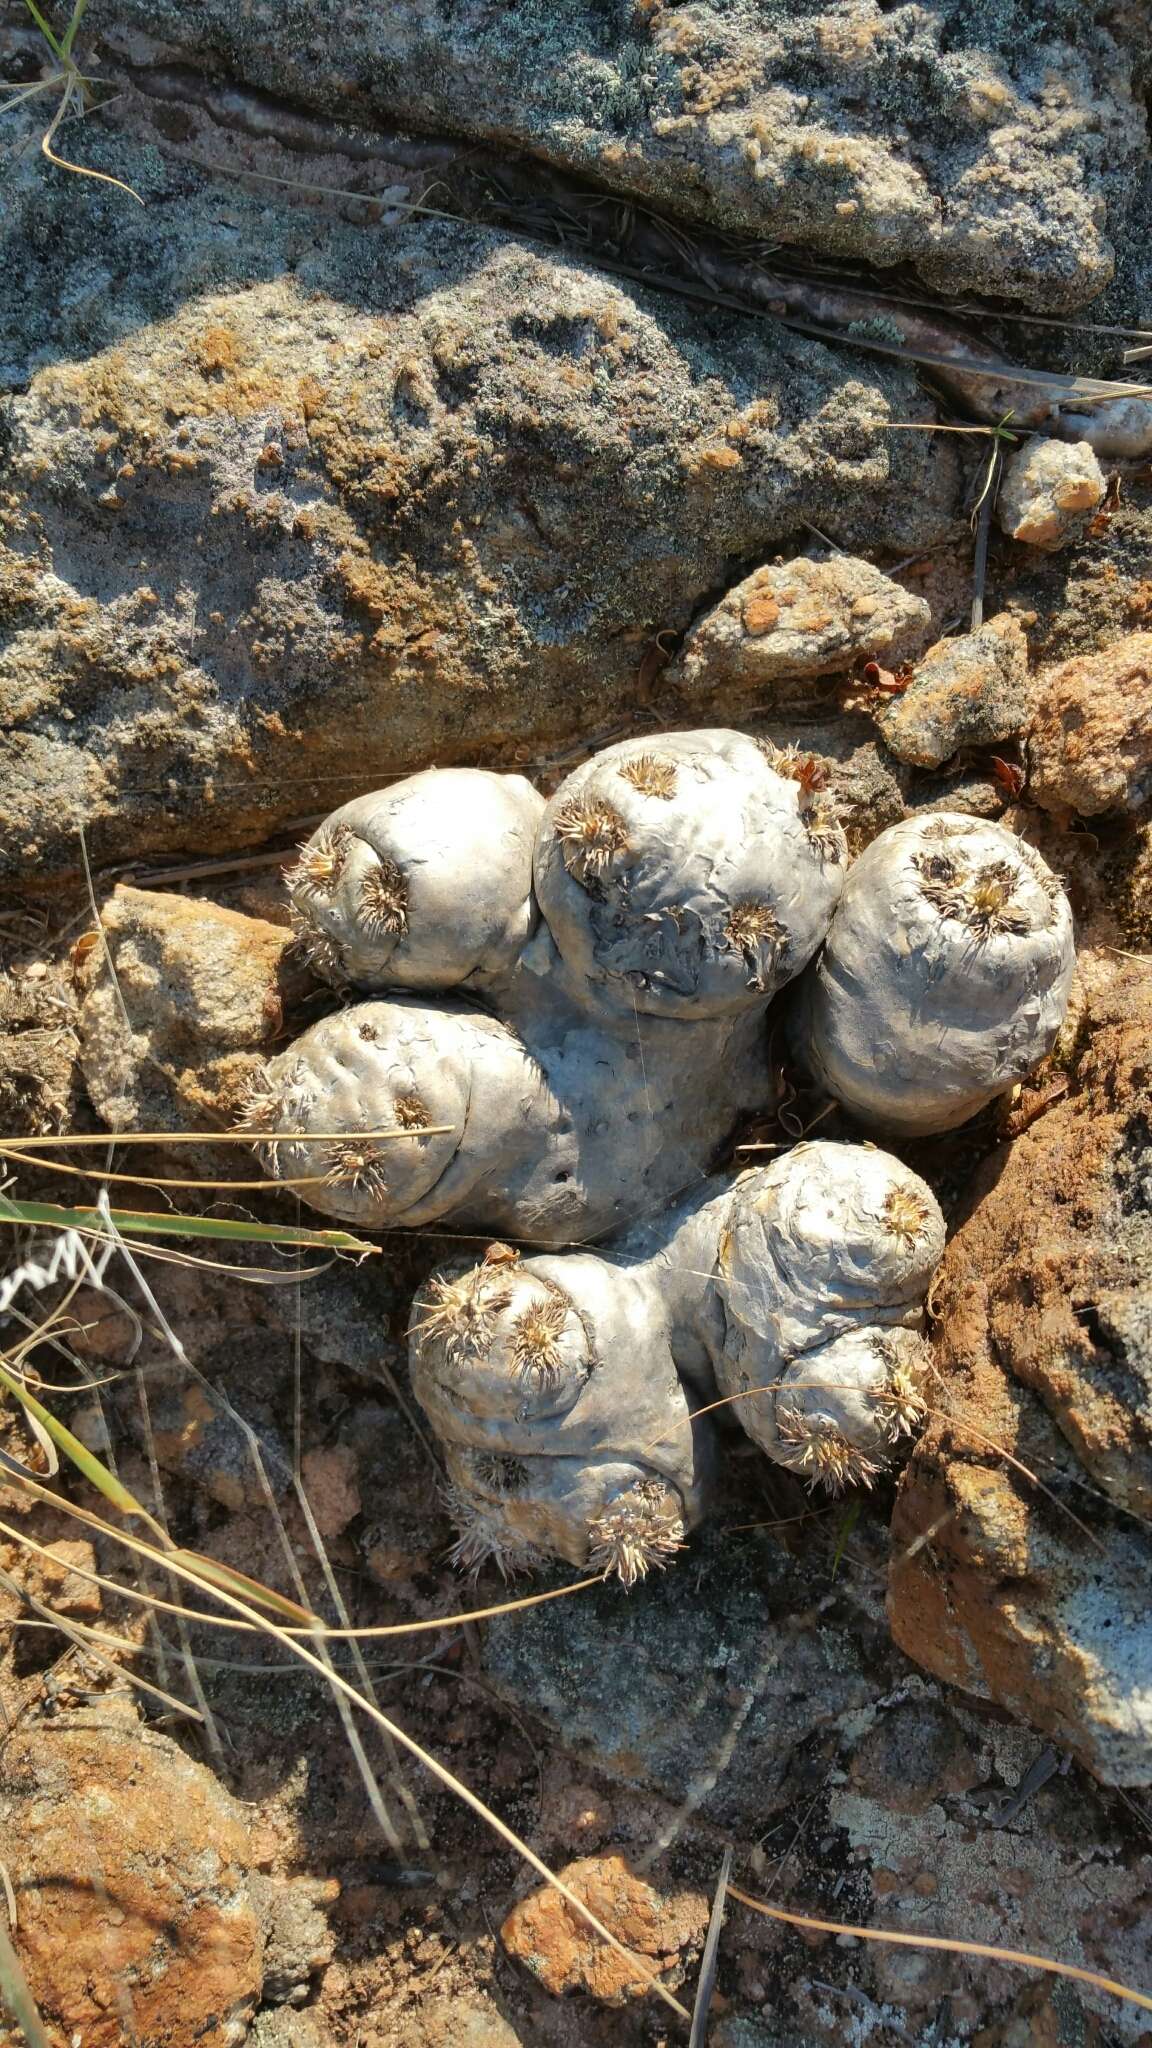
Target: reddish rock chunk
1091,743
547,1935
1049,492
970,691
1033,1591
128,1862
802,618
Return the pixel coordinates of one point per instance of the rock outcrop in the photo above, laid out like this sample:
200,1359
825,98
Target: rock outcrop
1020,1547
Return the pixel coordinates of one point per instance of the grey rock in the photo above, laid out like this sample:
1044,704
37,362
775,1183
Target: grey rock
292,507
971,691
278,2026
703,1681
978,796
298,1941
989,144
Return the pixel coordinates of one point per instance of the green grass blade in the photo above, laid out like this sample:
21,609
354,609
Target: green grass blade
244,1588
52,41
77,1453
151,1224
73,25
848,1522
17,1997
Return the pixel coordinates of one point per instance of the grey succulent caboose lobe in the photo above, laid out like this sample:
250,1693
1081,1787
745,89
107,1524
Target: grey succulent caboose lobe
425,885
944,977
687,875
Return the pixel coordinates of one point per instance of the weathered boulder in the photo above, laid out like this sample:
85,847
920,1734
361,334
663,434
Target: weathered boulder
970,691
1090,747
1033,1589
128,1862
299,508
802,618
987,146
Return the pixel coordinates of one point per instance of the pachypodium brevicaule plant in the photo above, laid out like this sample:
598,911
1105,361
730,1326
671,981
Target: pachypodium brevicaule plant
558,1012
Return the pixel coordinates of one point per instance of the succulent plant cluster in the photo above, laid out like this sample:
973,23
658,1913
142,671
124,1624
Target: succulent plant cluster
560,1016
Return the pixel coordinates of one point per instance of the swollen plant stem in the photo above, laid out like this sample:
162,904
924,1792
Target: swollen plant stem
1022,1957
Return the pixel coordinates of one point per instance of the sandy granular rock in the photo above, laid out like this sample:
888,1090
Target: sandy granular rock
1090,747
1049,491
1044,1347
988,146
198,993
970,691
128,1862
545,1934
802,618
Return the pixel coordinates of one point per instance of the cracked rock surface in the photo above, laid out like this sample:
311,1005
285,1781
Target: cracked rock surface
983,141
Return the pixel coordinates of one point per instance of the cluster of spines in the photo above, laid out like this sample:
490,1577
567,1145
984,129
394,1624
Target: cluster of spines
651,775
637,1532
906,1215
817,1448
754,930
592,834
979,897
312,881
817,806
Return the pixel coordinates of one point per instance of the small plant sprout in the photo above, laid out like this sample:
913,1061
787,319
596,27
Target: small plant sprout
685,883
74,91
944,978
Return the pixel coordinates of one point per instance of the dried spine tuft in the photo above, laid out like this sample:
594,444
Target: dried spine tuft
907,1215
637,1533
754,930
358,1164
814,1446
324,956
536,1335
485,1537
901,1405
979,897
411,1113
384,901
650,775
319,862
461,1314
591,834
